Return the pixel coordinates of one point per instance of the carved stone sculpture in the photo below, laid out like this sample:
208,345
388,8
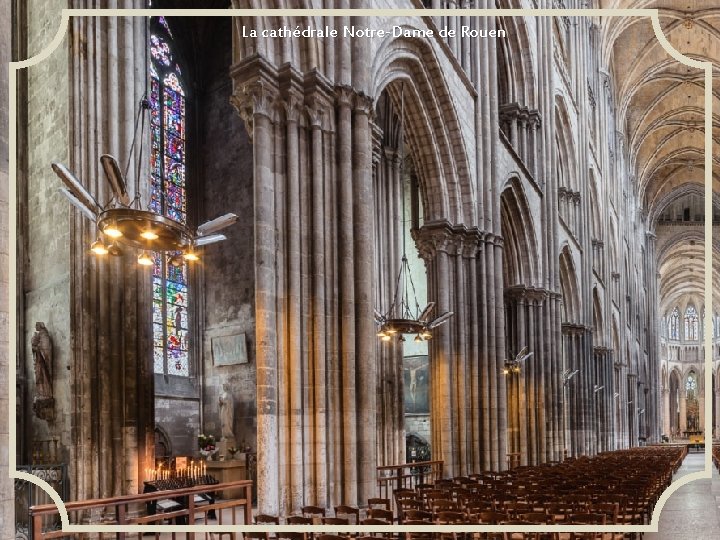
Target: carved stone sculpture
43,401
226,409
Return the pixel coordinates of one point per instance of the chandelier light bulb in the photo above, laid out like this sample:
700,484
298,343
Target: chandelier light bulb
385,337
144,259
149,234
98,248
418,339
190,255
112,231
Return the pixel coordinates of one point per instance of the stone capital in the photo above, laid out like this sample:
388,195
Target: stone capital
527,294
292,106
441,236
344,96
363,105
573,329
315,113
257,98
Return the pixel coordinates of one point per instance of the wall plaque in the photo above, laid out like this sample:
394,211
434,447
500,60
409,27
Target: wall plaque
229,350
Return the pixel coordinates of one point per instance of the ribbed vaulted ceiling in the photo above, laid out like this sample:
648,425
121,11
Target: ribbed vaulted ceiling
661,114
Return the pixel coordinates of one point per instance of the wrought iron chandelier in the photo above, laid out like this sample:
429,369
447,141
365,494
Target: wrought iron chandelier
402,317
514,365
122,221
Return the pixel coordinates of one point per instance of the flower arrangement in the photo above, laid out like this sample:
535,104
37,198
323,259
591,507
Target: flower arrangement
232,451
206,442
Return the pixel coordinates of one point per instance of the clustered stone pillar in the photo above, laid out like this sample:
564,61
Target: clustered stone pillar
111,423
535,422
603,398
314,287
581,408
468,404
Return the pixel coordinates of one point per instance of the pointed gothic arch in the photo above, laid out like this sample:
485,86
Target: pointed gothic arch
572,309
520,257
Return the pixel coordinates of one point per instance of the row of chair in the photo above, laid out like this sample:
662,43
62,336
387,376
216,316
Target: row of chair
619,487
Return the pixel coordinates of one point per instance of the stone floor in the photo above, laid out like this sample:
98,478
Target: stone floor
692,512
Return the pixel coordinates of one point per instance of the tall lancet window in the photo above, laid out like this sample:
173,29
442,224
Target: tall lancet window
674,324
691,324
168,197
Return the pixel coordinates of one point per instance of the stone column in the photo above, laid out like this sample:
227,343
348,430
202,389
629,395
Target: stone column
666,411
364,297
259,109
347,288
683,410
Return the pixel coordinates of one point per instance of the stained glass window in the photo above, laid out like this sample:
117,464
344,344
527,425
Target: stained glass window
674,324
691,385
168,197
691,324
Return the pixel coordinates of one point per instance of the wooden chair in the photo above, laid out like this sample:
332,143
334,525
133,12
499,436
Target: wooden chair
560,512
515,508
378,502
443,505
343,510
262,519
288,535
335,521
418,535
450,517
299,520
417,515
379,513
409,504
491,517
474,506
507,535
313,511
331,537
537,517
374,521
587,519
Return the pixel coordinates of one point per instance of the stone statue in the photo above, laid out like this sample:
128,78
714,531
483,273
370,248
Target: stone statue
226,408
43,401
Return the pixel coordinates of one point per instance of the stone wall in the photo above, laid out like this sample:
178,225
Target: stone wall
6,485
229,271
47,240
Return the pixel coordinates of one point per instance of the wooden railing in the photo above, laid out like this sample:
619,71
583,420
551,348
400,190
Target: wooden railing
407,476
132,510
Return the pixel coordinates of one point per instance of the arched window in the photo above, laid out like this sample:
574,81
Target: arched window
691,324
674,324
691,385
168,197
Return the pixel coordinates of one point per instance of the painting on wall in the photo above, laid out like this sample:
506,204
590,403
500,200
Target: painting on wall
416,377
